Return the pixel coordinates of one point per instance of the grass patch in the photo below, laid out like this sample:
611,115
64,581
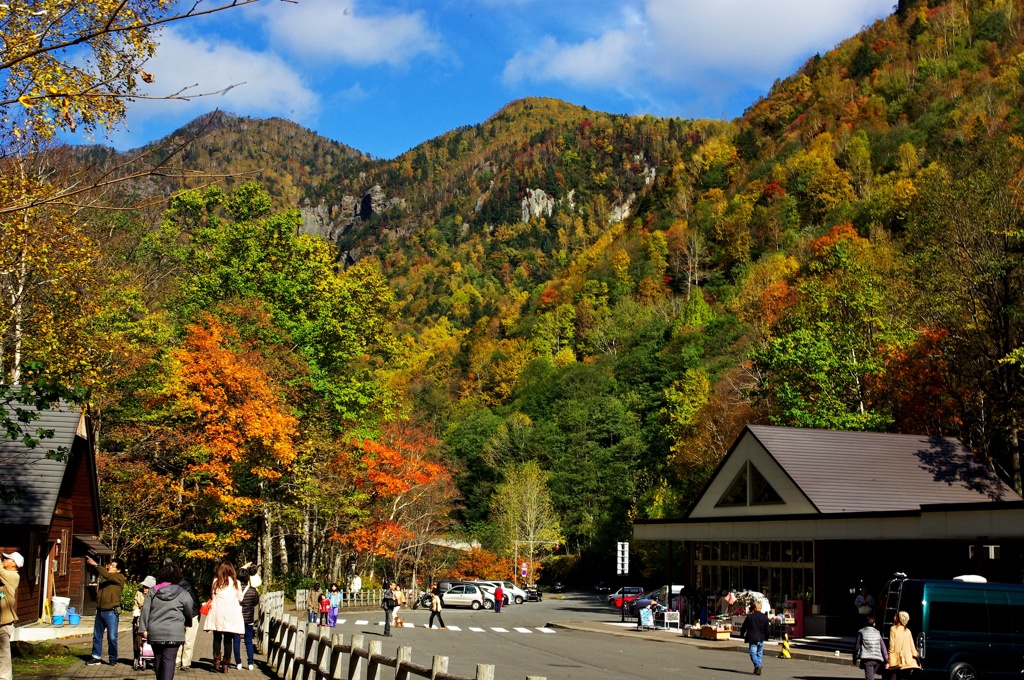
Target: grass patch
45,660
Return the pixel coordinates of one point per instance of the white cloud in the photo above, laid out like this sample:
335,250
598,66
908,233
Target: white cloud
689,42
255,83
336,29
599,62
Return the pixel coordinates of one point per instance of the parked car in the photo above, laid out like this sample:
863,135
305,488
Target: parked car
533,594
513,593
601,587
627,593
557,587
489,595
468,595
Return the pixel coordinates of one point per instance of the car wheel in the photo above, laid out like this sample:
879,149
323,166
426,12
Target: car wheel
476,604
962,671
519,600
488,604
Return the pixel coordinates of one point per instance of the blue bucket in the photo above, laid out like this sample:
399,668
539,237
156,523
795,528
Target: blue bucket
74,619
58,620
72,611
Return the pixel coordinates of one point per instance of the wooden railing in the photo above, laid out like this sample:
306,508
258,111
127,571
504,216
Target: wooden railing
358,600
296,650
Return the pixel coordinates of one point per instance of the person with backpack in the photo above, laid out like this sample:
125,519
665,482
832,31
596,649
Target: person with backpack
388,603
249,598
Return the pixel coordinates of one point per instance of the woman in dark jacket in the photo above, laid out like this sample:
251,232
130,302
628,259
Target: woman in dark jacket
250,599
166,611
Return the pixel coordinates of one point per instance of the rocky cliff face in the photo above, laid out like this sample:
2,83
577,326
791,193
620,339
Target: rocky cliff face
332,222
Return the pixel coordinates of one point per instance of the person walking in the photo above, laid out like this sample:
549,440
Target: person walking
325,608
400,601
870,649
140,600
903,655
335,600
166,612
9,581
388,604
250,600
108,609
225,617
313,603
755,631
184,659
435,608
499,598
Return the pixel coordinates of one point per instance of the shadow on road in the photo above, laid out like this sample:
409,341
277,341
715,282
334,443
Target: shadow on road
724,670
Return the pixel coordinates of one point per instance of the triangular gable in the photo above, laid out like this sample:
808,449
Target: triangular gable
749,481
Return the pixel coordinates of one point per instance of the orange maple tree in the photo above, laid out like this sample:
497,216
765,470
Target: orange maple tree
234,424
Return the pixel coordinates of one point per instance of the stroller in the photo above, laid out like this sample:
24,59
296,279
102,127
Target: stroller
145,658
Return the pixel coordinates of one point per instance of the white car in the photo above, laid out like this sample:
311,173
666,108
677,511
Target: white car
513,593
468,595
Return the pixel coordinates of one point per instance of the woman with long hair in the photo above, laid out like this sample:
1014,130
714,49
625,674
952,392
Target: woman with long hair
225,617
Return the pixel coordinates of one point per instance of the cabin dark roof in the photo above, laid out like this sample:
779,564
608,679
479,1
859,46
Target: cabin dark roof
31,474
842,472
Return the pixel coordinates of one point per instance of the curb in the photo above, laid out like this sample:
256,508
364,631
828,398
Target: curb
731,646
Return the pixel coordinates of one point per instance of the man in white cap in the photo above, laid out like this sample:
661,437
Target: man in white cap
9,580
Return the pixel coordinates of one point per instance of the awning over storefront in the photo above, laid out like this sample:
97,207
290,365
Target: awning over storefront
87,543
991,520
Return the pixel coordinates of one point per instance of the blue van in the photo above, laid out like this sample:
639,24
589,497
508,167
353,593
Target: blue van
965,629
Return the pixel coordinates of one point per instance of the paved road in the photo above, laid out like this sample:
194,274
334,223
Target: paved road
520,642
575,637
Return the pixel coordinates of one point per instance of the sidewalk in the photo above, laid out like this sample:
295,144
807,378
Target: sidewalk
202,662
771,648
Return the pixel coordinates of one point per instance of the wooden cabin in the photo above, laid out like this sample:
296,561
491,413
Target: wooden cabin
50,511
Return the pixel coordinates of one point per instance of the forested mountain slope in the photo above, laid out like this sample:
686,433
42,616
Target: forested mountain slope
588,303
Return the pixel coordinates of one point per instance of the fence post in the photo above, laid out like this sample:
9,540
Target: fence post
372,663
308,670
404,656
484,671
439,664
337,669
355,662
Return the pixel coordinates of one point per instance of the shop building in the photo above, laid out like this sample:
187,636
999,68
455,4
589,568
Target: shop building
809,515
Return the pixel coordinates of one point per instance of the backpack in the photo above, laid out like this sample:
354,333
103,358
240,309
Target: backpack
388,601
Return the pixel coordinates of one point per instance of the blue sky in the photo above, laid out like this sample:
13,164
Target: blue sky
384,76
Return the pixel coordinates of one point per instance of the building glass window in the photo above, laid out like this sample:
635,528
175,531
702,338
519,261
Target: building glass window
786,574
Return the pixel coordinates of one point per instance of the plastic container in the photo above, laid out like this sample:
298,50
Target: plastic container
60,605
74,619
72,611
58,620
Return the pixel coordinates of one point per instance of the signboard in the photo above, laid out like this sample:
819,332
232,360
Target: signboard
622,555
523,569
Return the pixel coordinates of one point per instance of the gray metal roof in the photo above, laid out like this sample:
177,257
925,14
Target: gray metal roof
31,473
843,472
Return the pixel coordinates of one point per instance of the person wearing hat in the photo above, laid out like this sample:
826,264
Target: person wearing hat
140,599
9,580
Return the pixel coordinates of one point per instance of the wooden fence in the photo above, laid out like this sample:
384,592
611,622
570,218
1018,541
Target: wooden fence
358,600
296,650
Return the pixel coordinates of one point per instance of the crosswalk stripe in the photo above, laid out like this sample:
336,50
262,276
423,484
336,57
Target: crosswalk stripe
499,630
523,630
476,630
455,628
361,623
545,630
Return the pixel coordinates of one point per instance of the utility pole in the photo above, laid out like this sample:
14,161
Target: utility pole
622,567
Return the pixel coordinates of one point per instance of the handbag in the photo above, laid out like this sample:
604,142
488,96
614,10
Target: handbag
204,608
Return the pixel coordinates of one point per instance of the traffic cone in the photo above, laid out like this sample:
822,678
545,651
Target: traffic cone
784,654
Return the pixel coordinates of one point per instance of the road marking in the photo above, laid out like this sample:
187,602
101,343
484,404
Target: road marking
476,630
362,623
523,630
499,630
456,628
546,630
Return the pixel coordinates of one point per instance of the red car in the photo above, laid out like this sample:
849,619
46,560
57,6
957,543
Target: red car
629,593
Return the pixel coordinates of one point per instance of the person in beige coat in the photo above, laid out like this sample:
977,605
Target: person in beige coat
9,580
225,617
903,655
